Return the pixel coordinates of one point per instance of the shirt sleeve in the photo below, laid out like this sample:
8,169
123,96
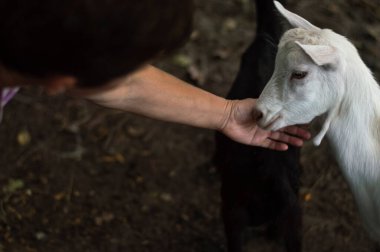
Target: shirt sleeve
6,94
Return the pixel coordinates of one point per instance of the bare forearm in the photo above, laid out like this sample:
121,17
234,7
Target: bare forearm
156,94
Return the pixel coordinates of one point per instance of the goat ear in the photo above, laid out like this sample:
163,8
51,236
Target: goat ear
320,54
294,19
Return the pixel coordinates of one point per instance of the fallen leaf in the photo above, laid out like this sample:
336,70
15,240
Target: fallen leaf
59,196
308,197
166,197
196,75
221,53
140,179
40,235
120,158
104,218
114,158
182,60
13,185
374,31
229,24
23,137
135,131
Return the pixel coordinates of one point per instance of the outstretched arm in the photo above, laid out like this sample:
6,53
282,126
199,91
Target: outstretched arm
156,94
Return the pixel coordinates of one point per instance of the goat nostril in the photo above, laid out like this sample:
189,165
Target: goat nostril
258,114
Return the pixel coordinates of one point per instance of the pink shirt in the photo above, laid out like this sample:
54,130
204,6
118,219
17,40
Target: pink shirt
6,94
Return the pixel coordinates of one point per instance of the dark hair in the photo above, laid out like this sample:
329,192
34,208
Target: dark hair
93,40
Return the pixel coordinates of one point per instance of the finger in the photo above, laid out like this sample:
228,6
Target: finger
304,126
285,138
297,131
273,145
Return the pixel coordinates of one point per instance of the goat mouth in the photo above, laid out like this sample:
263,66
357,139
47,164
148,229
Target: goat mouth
270,125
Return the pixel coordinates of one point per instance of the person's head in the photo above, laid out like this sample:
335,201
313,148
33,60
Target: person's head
89,41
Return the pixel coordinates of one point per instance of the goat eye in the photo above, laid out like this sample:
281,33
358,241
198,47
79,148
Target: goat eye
298,75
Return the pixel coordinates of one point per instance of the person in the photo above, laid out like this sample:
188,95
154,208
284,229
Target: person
103,50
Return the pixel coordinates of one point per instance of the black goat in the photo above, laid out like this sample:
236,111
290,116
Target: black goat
259,186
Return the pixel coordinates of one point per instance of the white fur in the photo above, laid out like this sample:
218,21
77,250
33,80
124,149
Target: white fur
339,87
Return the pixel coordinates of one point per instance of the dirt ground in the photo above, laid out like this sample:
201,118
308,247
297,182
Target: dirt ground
76,177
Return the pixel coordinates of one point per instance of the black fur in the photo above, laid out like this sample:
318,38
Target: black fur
259,186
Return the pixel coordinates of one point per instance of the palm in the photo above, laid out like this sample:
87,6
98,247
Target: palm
242,127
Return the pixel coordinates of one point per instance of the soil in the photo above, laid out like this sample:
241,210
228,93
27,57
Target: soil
77,177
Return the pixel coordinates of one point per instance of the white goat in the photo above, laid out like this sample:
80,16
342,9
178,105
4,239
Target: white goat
319,72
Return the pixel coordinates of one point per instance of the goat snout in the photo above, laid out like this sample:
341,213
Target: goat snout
261,115
257,114
268,119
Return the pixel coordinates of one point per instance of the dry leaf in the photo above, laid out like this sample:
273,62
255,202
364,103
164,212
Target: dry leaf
182,60
115,158
135,131
13,185
166,197
196,75
59,196
23,138
308,197
230,24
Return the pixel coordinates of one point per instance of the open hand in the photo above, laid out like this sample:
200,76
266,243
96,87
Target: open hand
241,126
